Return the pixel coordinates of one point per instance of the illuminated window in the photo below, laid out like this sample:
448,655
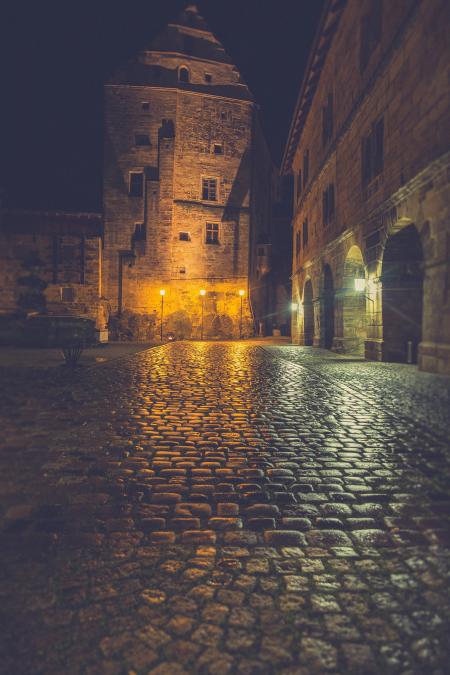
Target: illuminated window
183,74
209,189
185,236
218,148
141,139
212,233
136,184
370,32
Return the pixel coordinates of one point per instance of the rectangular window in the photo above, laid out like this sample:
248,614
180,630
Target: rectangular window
141,139
67,294
328,204
327,120
136,184
145,106
372,152
185,236
305,168
261,251
212,233
299,185
208,77
218,149
305,232
209,189
297,243
370,33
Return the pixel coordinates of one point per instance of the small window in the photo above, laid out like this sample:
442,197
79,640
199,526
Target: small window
299,184
182,270
145,106
297,243
261,251
370,32
327,120
372,152
185,236
208,78
136,185
141,139
212,233
218,149
183,74
328,204
209,189
67,294
305,168
305,232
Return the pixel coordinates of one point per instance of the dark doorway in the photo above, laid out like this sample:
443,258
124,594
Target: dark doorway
327,308
402,297
308,308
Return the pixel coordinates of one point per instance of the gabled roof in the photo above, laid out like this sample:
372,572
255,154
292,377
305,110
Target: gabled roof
327,27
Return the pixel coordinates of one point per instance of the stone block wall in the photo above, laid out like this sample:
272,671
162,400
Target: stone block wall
405,83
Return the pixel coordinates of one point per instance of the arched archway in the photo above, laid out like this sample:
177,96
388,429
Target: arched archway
327,309
402,295
354,302
308,314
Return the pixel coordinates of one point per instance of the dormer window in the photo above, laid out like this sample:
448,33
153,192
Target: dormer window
183,74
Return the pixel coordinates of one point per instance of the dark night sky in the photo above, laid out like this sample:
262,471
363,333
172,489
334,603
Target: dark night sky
56,56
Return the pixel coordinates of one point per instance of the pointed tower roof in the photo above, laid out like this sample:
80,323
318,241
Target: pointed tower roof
189,34
188,37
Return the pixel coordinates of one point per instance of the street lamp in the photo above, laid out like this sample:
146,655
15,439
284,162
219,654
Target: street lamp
202,295
162,293
241,293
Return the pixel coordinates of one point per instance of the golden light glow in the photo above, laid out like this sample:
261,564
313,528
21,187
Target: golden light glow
294,306
202,292
360,284
162,291
241,292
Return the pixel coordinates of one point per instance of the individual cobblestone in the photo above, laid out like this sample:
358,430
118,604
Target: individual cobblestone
214,508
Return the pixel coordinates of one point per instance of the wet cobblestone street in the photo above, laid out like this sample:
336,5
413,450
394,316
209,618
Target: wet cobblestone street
225,508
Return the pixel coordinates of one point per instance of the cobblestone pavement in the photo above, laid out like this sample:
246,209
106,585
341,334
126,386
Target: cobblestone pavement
221,508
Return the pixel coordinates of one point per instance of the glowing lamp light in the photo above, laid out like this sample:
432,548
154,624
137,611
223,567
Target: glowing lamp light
162,291
360,285
294,306
202,292
241,292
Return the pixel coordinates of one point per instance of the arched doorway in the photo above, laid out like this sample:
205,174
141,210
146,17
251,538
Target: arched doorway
354,302
402,295
308,315
327,322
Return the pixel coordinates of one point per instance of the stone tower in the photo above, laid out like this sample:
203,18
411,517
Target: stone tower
187,187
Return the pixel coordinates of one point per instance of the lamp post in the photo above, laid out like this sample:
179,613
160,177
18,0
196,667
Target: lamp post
162,293
202,295
241,293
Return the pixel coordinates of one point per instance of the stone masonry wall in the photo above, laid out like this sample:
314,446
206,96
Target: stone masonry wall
405,83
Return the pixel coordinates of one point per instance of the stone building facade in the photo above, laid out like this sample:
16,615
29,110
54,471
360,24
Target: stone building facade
369,148
187,188
68,251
